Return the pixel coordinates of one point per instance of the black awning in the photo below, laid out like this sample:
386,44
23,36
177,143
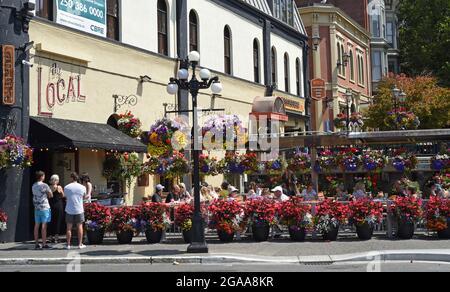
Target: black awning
63,134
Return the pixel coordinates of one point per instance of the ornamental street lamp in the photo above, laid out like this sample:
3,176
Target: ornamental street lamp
399,97
198,244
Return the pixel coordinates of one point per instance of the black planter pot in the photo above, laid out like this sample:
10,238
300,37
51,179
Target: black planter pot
224,236
187,236
297,234
445,234
365,231
405,229
332,234
95,237
125,237
153,236
261,232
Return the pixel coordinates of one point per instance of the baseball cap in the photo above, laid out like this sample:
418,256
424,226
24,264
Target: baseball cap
277,189
160,187
233,190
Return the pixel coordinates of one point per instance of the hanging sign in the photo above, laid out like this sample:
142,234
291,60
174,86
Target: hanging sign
85,15
8,72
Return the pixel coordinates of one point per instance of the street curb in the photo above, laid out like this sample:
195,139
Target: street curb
375,256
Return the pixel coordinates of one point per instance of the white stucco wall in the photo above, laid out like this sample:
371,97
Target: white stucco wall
294,51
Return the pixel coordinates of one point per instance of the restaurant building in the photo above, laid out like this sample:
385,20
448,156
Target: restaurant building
85,70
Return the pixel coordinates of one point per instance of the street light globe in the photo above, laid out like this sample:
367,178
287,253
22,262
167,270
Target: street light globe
194,56
402,97
396,92
183,74
172,88
205,74
216,87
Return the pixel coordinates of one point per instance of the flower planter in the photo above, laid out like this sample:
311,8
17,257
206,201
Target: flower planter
225,236
445,234
95,237
261,232
365,231
125,237
297,234
187,236
153,236
405,229
332,234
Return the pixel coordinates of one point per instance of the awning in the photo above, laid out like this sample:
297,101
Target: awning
271,107
63,134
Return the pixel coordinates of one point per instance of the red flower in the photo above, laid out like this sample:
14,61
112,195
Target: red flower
183,213
98,214
437,213
153,215
365,211
333,209
407,208
293,212
225,215
124,219
261,211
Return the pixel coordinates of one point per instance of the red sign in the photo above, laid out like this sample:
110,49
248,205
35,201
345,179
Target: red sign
272,116
8,81
318,88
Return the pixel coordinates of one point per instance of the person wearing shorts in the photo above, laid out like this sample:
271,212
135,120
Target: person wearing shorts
75,194
42,212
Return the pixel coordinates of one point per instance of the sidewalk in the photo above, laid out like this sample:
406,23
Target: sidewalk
422,248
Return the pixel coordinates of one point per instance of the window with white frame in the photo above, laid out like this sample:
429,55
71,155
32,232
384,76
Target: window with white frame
377,67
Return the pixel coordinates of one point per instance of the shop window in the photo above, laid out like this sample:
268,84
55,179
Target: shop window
193,32
256,61
163,47
44,9
113,19
227,50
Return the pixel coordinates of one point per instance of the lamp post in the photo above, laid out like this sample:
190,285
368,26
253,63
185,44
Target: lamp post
198,244
399,97
348,99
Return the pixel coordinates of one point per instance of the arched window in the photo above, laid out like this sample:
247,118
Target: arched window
298,76
163,46
286,73
362,81
227,50
352,66
193,32
274,66
339,56
342,60
256,61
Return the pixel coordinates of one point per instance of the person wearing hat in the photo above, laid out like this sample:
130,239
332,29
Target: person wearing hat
233,194
279,195
157,197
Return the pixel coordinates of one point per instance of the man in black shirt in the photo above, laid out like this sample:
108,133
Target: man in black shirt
157,197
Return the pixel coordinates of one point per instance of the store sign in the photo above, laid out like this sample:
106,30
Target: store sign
294,105
85,15
318,88
8,73
58,90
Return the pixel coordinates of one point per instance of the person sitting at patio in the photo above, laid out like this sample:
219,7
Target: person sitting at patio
205,195
234,194
279,194
266,194
213,193
412,192
185,197
399,190
224,192
342,195
157,197
360,191
309,194
174,195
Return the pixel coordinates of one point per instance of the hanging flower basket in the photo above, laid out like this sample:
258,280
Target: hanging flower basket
300,163
402,120
235,163
349,159
165,136
404,161
326,162
275,167
374,160
208,165
130,125
340,122
14,152
441,162
172,166
227,129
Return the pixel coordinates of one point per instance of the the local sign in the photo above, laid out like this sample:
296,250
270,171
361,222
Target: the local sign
85,15
8,74
318,88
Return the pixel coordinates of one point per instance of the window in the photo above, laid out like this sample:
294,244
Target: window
376,66
274,66
352,66
163,47
298,76
388,4
376,21
113,20
286,73
342,60
340,56
193,32
284,10
256,61
44,9
361,80
390,33
227,49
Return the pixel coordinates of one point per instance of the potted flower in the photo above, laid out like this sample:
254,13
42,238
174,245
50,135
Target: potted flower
260,214
300,163
403,161
373,160
153,219
328,218
340,122
326,161
275,167
176,165
348,159
165,135
408,211
3,221
124,223
438,216
364,214
129,124
441,161
183,219
226,218
296,216
98,219
208,165
14,152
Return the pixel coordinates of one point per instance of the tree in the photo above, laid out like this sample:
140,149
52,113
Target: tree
425,98
425,38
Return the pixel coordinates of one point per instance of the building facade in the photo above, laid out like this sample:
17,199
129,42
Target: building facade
82,68
340,57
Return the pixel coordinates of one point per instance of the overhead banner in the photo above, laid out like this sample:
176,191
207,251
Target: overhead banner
85,15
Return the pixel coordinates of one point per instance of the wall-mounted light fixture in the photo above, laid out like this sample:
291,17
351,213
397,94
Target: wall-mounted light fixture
316,41
145,78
